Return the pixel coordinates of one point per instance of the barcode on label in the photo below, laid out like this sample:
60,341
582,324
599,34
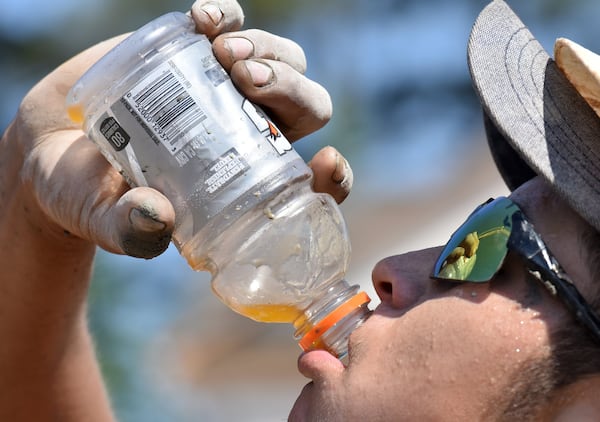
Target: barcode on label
166,109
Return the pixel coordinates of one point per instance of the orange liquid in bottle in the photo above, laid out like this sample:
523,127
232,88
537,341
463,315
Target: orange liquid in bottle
75,113
271,313
281,314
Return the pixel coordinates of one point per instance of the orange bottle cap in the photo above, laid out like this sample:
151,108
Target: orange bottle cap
332,318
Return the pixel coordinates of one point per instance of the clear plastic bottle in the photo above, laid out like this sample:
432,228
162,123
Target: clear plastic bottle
165,113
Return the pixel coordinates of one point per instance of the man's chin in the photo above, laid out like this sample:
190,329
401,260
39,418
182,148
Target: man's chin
302,407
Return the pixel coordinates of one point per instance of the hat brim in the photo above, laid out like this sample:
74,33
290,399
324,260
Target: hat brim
534,112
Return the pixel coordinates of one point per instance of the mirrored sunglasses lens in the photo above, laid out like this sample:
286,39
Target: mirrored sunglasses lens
477,249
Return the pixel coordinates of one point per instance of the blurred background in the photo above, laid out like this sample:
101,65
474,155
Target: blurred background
406,118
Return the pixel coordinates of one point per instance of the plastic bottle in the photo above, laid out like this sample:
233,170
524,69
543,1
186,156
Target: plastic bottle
165,114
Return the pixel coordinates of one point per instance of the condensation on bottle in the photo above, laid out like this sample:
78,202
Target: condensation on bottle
165,114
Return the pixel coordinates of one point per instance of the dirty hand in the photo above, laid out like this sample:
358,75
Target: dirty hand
71,192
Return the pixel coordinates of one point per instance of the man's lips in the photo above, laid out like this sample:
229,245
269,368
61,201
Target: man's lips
319,364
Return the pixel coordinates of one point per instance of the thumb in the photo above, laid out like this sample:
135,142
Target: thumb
81,192
139,224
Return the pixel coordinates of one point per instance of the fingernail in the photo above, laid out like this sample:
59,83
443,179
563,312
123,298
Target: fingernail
260,73
240,48
214,13
145,220
343,173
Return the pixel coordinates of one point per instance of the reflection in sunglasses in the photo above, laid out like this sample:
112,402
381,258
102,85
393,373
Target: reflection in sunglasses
460,262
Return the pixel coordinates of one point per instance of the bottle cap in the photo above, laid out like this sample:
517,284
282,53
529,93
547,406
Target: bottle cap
320,328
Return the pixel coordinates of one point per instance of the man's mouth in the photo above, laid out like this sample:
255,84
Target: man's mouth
319,364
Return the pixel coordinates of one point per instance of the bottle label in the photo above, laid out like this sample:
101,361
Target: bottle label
163,105
114,133
225,170
184,129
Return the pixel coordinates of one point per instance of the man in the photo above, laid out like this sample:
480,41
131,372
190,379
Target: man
498,333
512,348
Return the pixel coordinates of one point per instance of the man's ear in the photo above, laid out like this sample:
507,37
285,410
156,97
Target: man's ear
576,402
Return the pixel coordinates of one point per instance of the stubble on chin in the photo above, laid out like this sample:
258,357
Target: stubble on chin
315,404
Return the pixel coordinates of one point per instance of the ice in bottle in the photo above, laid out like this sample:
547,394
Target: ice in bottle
165,114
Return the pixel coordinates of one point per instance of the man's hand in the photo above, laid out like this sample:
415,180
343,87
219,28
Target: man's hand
60,198
75,189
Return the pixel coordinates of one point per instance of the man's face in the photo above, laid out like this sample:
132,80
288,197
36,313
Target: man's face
437,350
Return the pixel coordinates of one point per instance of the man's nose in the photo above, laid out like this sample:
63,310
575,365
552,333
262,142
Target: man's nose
401,280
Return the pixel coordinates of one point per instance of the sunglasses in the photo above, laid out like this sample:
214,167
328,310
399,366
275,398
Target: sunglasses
476,252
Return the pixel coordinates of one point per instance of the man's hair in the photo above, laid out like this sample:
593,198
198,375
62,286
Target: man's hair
576,352
528,393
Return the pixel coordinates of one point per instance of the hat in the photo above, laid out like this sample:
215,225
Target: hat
536,120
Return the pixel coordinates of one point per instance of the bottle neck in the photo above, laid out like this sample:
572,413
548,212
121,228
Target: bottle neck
329,320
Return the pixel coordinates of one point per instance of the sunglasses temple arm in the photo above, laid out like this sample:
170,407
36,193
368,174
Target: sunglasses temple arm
561,287
544,267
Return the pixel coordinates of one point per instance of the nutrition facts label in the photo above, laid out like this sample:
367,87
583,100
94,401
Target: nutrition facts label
224,170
